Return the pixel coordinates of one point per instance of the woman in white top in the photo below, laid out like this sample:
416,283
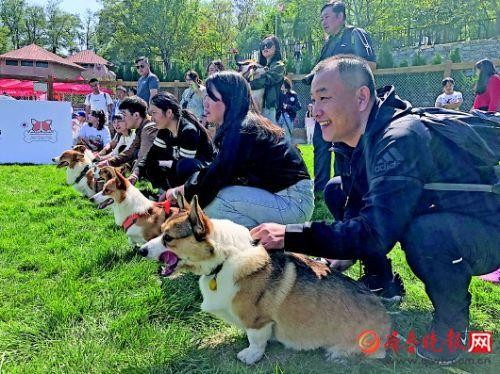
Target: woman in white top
95,134
122,140
192,97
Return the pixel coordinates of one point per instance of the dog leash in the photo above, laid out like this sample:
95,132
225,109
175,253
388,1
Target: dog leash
132,219
82,174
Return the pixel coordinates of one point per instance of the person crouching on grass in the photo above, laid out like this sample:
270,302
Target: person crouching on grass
257,174
181,147
447,236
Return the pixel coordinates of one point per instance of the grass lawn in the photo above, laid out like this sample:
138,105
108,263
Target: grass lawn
74,298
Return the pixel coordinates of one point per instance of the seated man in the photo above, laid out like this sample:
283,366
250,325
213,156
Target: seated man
134,111
447,236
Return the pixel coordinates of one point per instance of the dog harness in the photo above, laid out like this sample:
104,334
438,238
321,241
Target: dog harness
132,219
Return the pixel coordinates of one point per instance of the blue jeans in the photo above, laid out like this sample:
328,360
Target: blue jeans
286,123
250,206
270,114
322,160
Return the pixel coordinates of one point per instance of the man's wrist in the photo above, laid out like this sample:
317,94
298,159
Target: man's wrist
296,238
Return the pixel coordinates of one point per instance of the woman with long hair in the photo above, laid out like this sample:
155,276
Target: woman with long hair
257,175
95,134
182,146
214,67
192,97
272,79
488,87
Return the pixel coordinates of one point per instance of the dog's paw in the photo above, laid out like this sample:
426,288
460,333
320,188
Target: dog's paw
250,356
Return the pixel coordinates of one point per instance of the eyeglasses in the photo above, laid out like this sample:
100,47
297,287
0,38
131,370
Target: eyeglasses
266,45
140,66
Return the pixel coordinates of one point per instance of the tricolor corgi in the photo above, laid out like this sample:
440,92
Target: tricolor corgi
278,295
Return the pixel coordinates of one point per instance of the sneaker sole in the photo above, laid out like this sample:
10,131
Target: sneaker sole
436,361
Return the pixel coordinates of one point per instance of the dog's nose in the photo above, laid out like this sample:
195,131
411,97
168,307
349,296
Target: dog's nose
143,251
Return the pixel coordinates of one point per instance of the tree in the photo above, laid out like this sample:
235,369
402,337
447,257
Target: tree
35,24
62,27
11,14
87,36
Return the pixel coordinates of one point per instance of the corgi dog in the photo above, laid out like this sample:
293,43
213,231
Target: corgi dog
79,171
251,70
273,296
139,217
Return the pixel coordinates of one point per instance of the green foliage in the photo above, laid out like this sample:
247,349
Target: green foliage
437,59
454,55
4,39
403,64
418,59
385,59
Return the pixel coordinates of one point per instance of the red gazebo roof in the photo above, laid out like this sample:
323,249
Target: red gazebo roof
88,57
33,52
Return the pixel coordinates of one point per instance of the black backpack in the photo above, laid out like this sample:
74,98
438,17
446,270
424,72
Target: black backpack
478,137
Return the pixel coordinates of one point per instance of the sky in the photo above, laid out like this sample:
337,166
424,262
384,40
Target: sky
73,6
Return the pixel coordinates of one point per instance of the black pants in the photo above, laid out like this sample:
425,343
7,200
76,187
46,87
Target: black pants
322,160
445,250
165,178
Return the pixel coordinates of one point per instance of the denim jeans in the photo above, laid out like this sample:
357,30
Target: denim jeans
286,123
322,160
269,113
250,206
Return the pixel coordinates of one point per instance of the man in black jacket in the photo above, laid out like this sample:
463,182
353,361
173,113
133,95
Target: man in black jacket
342,39
447,236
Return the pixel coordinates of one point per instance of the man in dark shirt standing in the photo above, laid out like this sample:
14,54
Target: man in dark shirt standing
147,85
342,39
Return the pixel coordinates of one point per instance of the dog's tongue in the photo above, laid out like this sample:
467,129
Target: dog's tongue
170,260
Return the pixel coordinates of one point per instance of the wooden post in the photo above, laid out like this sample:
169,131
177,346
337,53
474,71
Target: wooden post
50,88
447,69
176,89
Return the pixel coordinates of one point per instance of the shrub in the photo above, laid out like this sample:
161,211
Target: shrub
403,64
437,59
385,59
455,55
418,60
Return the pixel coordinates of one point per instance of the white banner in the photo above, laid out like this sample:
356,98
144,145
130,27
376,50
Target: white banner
34,131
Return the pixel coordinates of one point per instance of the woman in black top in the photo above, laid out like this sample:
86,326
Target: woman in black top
257,175
181,147
288,108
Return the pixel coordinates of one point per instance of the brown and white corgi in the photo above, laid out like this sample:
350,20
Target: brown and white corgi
279,295
139,217
79,171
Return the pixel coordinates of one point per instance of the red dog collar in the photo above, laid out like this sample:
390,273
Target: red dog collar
132,219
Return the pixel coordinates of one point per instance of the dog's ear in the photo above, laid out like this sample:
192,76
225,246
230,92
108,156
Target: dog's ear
181,201
121,181
80,148
198,220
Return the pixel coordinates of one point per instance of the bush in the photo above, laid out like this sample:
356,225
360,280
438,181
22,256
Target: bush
385,59
403,64
418,60
437,59
455,55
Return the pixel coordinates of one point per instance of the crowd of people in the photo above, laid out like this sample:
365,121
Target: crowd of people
243,166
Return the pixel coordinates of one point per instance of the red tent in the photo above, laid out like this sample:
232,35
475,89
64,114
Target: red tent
19,88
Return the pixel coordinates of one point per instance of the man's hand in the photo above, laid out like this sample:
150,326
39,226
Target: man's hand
270,235
103,164
171,194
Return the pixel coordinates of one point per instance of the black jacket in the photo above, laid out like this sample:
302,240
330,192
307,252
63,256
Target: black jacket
395,157
190,142
291,99
248,157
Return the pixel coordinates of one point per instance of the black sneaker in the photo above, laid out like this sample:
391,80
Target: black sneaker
390,292
441,353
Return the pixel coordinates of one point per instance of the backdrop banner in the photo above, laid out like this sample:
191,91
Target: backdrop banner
34,131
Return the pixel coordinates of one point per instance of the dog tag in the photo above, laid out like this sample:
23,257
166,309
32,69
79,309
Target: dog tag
212,284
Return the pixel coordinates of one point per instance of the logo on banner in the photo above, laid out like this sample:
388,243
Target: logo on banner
40,131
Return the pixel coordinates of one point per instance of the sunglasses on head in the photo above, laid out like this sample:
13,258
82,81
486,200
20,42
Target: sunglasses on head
266,45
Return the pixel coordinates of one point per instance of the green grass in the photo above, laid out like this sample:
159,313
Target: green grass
74,298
